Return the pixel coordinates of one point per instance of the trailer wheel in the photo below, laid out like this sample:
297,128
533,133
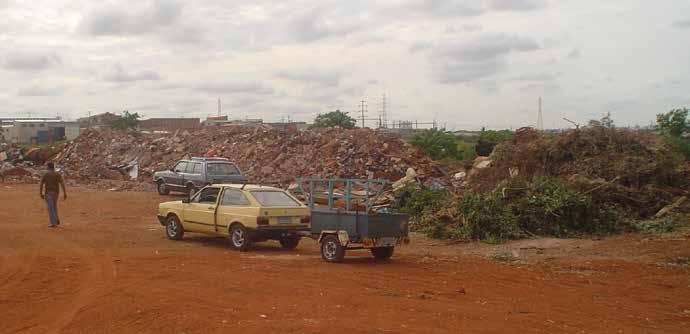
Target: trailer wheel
290,242
331,249
162,188
173,228
382,253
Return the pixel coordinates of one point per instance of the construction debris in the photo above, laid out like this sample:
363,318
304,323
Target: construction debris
263,155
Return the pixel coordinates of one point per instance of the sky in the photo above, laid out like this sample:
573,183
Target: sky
465,64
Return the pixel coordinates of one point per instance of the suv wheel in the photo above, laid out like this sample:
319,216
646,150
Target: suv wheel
162,188
173,228
239,238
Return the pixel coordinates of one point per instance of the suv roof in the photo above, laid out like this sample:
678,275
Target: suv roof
209,159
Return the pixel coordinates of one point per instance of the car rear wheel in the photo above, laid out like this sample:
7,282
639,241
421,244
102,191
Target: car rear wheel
382,253
239,238
331,249
162,188
173,228
290,242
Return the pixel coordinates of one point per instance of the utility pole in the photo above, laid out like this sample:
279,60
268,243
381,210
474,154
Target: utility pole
383,123
219,107
540,118
363,111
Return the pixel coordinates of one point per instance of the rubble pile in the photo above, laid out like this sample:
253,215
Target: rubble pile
633,170
23,164
264,155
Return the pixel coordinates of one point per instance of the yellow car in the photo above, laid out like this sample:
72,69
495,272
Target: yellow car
245,213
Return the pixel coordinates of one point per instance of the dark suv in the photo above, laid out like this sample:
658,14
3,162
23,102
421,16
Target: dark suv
188,176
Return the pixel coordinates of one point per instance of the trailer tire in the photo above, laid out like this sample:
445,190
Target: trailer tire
331,249
290,242
382,253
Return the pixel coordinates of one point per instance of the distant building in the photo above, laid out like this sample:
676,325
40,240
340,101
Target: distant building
169,124
104,120
37,131
214,120
466,133
289,126
249,122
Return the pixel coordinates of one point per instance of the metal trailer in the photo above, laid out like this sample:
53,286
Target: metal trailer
341,229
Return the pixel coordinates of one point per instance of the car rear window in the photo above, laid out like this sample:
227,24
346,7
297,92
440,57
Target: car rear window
221,169
274,198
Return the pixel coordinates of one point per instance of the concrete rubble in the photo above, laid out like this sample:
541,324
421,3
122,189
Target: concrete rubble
264,155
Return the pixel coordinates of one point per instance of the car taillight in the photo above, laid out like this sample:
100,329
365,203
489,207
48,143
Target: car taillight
261,220
305,220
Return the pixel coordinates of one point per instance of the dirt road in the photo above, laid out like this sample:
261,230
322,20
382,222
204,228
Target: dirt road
109,269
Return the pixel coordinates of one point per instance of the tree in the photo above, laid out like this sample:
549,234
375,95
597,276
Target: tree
437,144
488,139
127,121
333,119
674,122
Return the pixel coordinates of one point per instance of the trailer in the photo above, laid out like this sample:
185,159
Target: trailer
349,219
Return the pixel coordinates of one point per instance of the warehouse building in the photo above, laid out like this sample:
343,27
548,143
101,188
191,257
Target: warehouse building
37,130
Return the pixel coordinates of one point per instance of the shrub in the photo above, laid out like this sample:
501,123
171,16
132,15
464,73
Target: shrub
437,144
551,207
486,218
664,225
415,201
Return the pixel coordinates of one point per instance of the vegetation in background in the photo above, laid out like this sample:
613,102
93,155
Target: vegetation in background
333,119
544,206
437,144
672,125
666,224
488,139
126,122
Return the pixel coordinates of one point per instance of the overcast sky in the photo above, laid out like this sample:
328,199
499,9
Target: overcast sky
465,64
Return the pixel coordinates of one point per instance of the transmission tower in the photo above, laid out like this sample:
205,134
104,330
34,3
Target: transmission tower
384,116
540,118
363,111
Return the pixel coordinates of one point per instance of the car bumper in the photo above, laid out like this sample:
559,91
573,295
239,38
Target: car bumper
161,219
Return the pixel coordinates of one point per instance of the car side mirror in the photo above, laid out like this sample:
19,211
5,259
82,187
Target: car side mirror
186,200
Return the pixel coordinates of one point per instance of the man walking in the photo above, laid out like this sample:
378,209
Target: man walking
51,183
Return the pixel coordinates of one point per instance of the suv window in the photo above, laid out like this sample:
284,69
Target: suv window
222,168
181,167
194,168
234,197
207,195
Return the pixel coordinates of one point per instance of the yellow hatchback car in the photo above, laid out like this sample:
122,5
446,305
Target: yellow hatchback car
245,213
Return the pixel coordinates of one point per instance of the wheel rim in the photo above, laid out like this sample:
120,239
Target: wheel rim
329,249
191,191
238,237
172,227
161,187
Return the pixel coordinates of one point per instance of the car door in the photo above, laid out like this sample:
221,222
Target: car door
176,179
200,212
193,174
234,207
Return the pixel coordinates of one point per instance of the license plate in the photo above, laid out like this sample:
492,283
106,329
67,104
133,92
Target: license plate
284,220
387,242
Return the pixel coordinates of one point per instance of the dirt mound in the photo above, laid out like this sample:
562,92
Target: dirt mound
635,170
264,155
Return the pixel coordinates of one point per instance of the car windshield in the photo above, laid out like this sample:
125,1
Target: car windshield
221,169
274,198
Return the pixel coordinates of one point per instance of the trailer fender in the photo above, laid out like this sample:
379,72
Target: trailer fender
343,237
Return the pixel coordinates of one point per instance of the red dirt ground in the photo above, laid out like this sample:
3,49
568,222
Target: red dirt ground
109,269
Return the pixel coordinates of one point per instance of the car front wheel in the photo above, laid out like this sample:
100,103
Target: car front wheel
239,238
173,228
